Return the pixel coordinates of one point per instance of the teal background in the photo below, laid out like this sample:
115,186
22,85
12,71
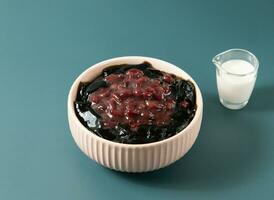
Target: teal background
45,45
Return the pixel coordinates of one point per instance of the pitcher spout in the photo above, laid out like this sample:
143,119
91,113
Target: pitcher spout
216,60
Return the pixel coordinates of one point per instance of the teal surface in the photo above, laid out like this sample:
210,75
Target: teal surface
44,45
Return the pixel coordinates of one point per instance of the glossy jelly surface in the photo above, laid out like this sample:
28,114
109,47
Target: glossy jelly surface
135,104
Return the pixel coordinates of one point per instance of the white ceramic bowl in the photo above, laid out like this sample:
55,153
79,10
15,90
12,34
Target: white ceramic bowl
133,157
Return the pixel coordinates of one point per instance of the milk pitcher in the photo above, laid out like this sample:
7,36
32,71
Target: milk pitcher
236,73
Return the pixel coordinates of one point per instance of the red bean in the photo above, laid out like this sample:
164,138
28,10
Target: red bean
167,78
184,104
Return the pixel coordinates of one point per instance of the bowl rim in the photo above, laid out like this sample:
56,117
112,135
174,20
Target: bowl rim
104,64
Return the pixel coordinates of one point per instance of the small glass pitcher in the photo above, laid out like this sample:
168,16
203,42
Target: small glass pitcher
236,73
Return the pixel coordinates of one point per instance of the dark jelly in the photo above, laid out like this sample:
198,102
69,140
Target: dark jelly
135,104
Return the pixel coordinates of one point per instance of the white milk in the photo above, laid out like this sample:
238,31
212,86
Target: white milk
236,89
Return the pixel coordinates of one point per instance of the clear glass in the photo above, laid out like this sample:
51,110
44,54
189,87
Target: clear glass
236,73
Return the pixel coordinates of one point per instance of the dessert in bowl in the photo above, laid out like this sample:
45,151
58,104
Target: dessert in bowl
134,114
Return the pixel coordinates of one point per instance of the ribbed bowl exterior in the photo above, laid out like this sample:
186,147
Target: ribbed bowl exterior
133,157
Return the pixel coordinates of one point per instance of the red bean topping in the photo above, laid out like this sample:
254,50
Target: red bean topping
134,99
